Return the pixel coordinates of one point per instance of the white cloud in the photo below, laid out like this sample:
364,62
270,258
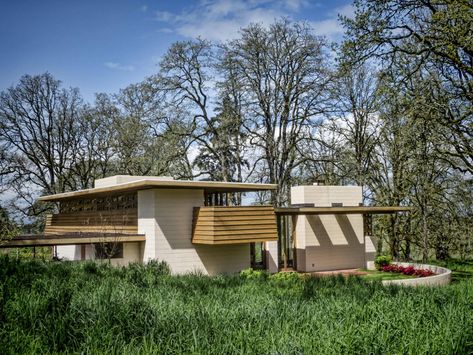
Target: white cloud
165,30
165,16
295,5
221,20
331,27
346,10
118,66
144,8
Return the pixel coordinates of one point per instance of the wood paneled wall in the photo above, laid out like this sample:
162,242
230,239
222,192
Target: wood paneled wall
234,225
114,221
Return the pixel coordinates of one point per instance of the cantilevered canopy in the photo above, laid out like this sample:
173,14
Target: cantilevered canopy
38,240
340,210
207,186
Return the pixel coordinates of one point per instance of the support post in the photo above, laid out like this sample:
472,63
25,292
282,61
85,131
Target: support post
294,242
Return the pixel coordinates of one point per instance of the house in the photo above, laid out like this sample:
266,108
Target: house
193,226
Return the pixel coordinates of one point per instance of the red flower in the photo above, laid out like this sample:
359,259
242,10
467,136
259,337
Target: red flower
407,270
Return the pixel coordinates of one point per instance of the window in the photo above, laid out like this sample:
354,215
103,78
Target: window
109,251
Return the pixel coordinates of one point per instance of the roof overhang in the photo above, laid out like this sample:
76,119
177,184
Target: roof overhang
207,186
41,240
341,210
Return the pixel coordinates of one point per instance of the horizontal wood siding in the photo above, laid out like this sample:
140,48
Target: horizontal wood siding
234,225
114,221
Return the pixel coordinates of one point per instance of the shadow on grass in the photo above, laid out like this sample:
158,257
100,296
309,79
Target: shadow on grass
461,269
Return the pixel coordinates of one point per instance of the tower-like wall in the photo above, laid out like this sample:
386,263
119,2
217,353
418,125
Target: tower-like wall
329,242
165,216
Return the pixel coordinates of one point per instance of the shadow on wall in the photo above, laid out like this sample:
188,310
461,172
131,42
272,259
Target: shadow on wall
338,249
224,259
174,243
320,233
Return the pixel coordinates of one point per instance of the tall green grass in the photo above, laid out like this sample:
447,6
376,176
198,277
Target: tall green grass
72,307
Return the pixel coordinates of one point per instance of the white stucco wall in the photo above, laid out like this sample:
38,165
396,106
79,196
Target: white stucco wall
122,179
329,242
272,262
165,217
131,253
370,251
69,252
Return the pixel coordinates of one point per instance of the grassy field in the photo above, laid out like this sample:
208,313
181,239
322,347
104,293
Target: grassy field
65,307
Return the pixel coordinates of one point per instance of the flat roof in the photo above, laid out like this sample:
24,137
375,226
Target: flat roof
207,186
37,240
341,210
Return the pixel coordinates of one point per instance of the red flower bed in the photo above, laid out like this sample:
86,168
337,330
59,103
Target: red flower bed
407,270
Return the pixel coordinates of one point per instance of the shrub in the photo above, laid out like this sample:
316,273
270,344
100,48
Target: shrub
286,276
382,260
407,270
159,267
251,274
391,268
90,267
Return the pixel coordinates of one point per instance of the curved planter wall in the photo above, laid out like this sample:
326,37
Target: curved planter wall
442,276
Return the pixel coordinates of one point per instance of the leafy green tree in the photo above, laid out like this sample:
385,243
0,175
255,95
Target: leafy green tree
8,229
434,37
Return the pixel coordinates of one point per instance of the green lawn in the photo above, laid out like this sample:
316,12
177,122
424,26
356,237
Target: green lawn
48,307
375,275
461,269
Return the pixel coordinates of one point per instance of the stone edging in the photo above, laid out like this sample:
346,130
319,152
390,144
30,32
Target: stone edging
442,276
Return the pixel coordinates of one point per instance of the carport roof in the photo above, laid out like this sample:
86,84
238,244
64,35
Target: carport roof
341,210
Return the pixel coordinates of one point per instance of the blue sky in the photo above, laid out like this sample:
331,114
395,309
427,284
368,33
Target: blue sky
104,45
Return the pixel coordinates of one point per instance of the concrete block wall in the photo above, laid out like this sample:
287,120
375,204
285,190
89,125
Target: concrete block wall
271,254
329,242
122,179
165,217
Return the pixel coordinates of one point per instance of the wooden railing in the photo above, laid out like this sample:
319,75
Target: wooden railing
234,225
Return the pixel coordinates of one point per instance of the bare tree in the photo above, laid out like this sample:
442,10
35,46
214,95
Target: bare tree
284,76
151,136
188,76
357,99
39,134
95,153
